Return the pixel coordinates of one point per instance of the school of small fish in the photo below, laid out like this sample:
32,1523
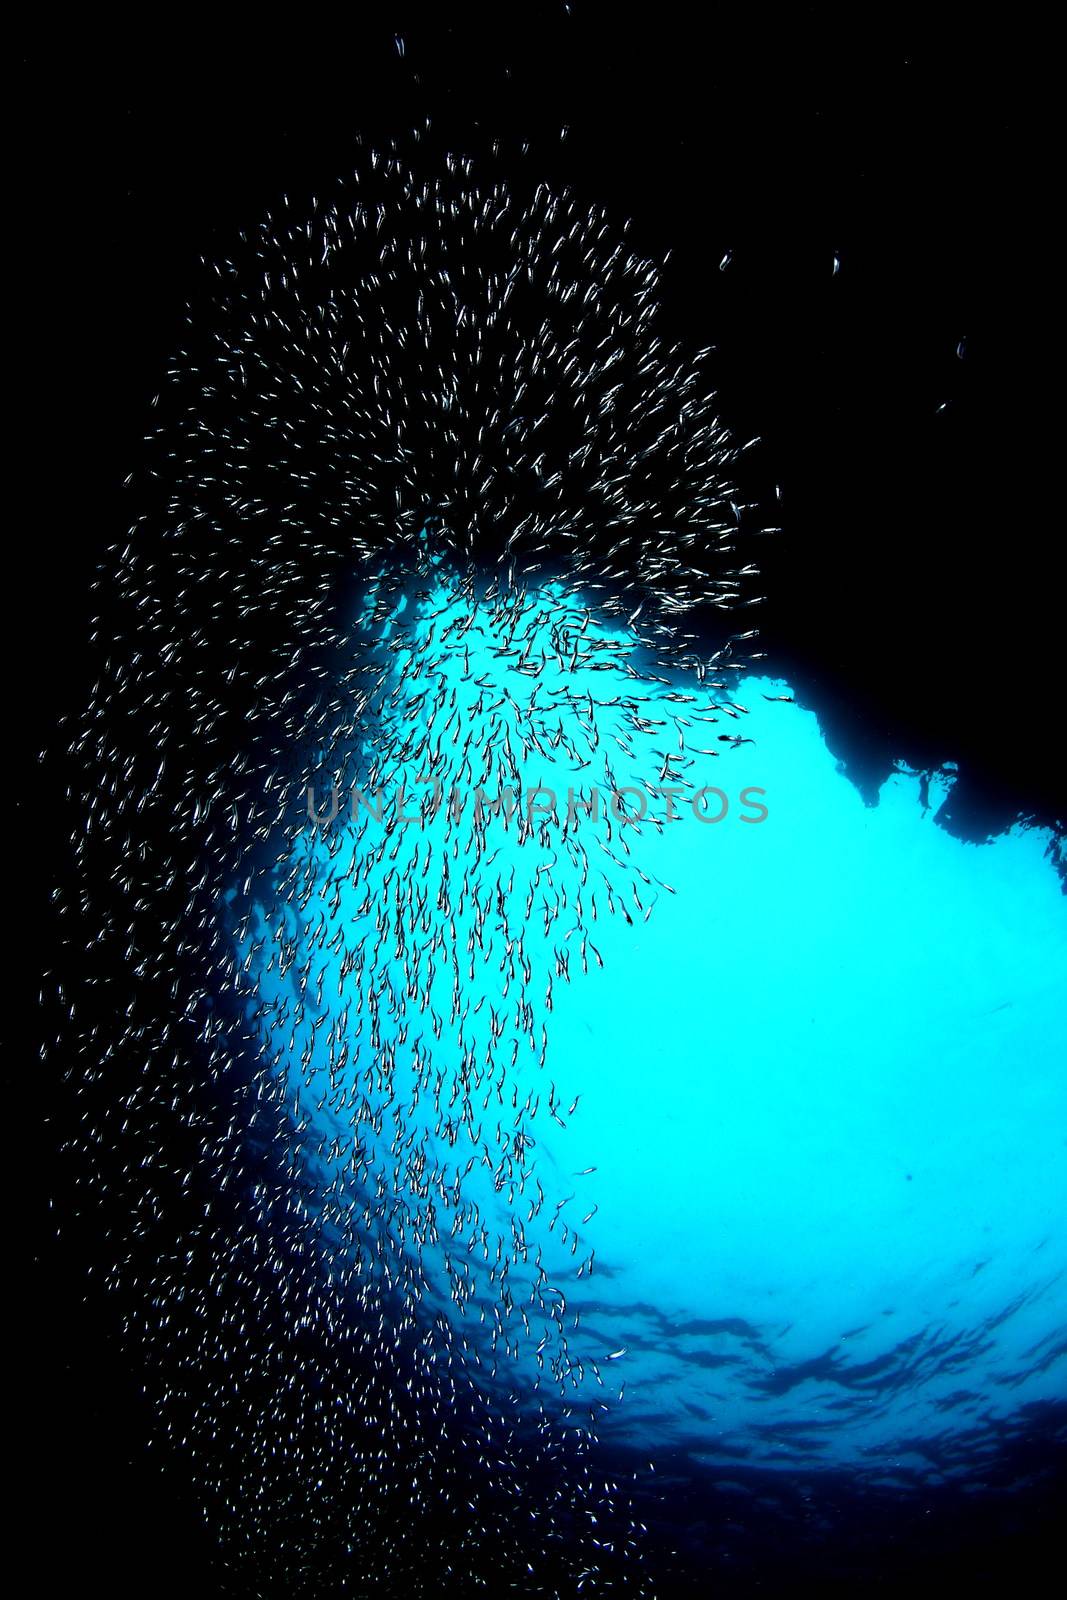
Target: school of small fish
430,514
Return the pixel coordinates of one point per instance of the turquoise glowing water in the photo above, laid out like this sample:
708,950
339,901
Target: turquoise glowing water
826,1097
821,1085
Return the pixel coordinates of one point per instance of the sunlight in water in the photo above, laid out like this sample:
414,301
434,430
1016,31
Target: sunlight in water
759,1122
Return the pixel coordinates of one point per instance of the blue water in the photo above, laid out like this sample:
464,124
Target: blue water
795,1185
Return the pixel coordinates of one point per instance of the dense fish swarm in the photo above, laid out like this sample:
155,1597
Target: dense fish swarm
427,502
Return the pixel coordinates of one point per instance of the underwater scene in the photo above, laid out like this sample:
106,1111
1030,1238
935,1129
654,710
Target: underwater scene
553,941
